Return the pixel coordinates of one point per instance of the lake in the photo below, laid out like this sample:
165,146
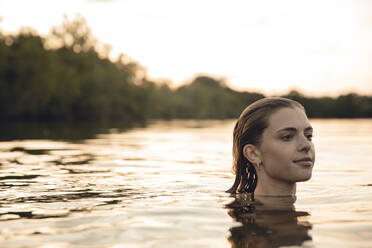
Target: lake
163,185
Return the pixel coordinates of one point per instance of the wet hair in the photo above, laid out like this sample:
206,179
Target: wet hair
248,130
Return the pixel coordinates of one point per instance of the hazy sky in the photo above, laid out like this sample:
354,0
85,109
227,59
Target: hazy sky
321,47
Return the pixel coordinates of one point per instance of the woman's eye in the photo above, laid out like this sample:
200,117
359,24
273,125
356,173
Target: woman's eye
286,137
309,137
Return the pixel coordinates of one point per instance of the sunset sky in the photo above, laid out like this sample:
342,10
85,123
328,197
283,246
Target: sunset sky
320,47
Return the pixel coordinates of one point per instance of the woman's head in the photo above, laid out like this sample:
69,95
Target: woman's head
271,139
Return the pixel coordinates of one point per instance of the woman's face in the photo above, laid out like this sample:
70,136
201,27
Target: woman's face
286,150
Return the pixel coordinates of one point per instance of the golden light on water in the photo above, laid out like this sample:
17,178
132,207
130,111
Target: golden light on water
320,47
164,185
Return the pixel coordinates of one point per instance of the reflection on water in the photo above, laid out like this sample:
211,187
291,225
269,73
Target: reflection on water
59,130
268,222
164,186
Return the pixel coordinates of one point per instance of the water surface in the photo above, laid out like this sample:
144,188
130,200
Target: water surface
163,186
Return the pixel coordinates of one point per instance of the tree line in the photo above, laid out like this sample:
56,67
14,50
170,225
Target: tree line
68,76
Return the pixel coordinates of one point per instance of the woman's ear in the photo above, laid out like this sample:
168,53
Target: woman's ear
251,153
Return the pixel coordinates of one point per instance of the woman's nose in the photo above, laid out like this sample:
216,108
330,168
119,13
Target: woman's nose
305,145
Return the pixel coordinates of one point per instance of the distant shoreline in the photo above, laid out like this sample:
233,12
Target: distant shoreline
64,77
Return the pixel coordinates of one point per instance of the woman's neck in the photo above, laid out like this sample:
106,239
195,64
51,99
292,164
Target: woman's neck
268,186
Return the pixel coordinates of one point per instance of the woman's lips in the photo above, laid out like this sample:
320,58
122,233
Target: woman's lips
304,161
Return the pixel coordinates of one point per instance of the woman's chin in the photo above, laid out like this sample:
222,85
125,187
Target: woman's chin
305,177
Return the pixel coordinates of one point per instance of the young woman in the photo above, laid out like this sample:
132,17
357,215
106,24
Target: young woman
272,148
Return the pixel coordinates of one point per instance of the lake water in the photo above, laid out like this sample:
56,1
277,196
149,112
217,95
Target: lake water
163,186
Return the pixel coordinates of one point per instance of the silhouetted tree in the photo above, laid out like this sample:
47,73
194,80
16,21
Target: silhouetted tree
73,34
68,76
